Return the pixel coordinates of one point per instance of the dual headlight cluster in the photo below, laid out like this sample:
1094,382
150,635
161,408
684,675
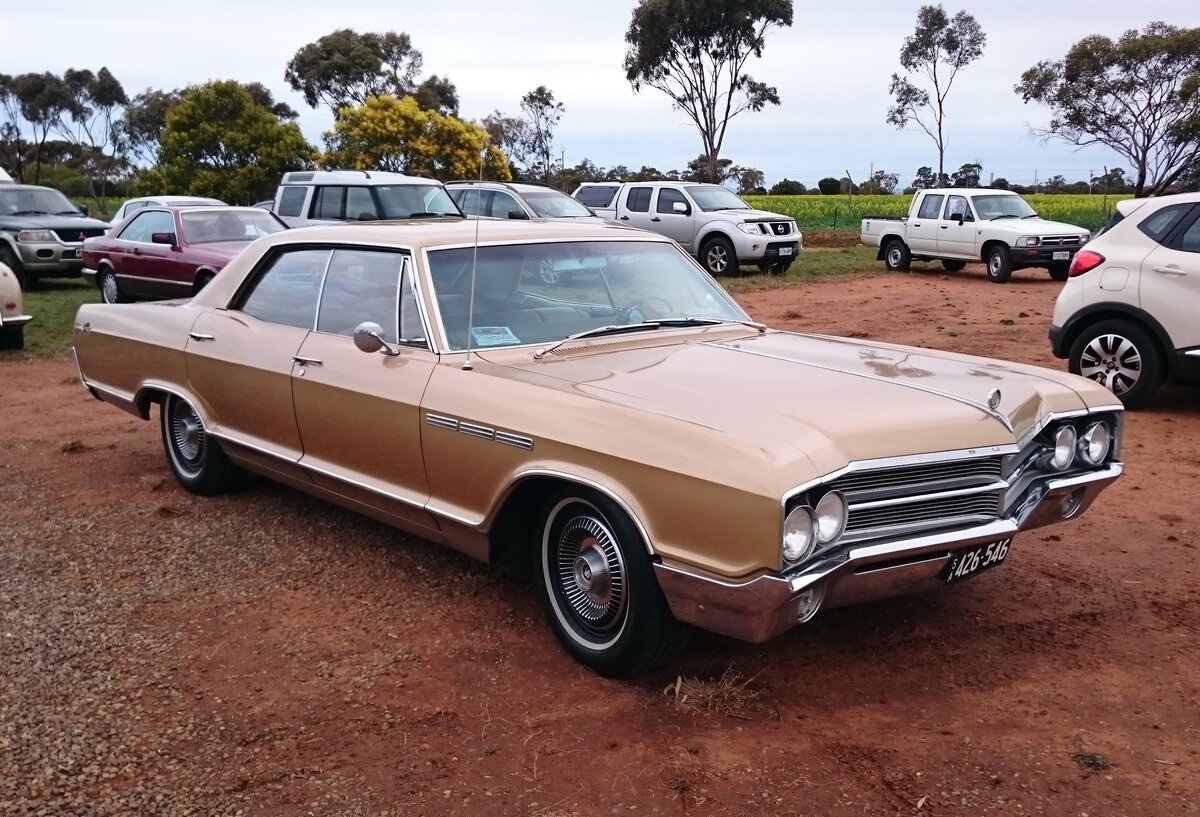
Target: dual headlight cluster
809,529
1091,447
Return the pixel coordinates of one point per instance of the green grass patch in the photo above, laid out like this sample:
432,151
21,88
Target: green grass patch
52,303
810,265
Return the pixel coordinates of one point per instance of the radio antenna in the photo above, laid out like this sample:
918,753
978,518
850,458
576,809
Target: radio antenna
474,261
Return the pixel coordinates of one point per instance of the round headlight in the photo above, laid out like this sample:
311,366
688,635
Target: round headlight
1093,445
799,533
831,517
1064,448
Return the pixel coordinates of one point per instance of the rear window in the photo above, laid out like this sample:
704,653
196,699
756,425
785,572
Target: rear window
1158,224
599,195
291,201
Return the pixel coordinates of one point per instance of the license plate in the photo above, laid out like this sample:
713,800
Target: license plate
1061,255
78,252
785,250
967,563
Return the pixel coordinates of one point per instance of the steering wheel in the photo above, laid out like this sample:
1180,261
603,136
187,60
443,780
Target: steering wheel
644,309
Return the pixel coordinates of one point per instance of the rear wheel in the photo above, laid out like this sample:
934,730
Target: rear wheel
718,256
12,337
10,260
1122,356
1060,272
896,256
597,584
950,265
202,280
195,457
999,264
110,290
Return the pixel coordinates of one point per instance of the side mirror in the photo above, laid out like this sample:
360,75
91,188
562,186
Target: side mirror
83,208
368,337
680,207
517,214
957,218
162,238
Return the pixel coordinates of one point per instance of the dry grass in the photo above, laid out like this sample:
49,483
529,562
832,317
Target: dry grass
728,695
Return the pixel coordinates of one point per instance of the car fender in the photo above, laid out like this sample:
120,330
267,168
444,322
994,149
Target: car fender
1105,310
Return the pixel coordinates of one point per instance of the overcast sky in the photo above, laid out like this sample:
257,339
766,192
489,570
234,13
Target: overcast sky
832,69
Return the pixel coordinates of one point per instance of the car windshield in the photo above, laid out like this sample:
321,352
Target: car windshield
32,201
541,293
990,207
227,224
709,197
552,204
415,201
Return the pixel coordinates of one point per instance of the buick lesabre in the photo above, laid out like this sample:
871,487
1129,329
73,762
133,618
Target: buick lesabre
585,401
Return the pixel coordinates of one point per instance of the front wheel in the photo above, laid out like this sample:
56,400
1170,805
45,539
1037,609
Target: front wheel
718,256
1060,272
597,584
896,256
999,264
195,457
1121,356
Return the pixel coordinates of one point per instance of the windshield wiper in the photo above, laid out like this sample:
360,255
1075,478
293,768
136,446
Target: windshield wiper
1032,215
619,328
68,213
1005,215
30,213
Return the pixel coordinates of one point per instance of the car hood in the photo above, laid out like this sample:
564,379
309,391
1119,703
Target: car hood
824,399
748,215
1034,226
52,222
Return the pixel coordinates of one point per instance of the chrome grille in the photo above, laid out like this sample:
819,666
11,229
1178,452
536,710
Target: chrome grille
1061,241
928,496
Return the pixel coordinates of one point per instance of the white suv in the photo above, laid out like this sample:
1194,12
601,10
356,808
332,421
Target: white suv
331,196
1129,313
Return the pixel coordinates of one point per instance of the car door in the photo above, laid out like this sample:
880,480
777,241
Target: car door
671,222
1169,286
505,206
242,359
637,207
141,267
358,413
956,230
922,230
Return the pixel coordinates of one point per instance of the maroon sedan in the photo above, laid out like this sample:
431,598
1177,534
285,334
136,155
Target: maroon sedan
171,252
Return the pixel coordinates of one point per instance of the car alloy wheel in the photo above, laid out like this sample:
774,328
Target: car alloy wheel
1120,356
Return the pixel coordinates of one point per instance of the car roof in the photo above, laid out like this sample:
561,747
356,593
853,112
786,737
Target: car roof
448,231
361,178
177,199
520,187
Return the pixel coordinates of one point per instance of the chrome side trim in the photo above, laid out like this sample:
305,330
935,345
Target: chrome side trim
1192,353
475,430
515,440
442,422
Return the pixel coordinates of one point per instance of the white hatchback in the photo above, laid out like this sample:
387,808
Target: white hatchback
1129,313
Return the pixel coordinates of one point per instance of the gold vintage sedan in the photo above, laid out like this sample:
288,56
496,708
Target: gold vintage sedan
12,310
586,400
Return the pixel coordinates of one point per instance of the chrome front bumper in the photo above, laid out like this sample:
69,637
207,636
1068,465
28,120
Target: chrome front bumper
763,607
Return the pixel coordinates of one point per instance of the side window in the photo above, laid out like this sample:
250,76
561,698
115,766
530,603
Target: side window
411,327
134,206
327,203
598,195
1160,223
503,204
957,205
291,203
638,200
360,205
467,201
930,205
287,290
667,197
147,223
1190,240
361,285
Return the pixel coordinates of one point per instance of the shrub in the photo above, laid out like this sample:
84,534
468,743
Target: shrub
830,186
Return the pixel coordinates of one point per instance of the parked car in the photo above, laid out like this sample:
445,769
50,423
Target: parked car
131,206
1129,314
658,457
712,223
171,252
42,233
957,225
517,200
309,197
12,311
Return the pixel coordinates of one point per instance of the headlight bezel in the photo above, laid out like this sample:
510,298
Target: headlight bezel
800,520
1029,241
38,236
836,512
1087,439
1063,447
750,228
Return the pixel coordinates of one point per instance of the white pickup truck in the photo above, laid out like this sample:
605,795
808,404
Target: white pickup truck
707,220
958,225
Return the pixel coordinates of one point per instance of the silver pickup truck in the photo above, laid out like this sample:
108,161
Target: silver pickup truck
957,225
707,220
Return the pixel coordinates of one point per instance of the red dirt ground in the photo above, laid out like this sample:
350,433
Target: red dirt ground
308,661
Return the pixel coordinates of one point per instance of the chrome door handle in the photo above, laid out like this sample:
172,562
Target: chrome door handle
1171,270
304,361
201,336
136,251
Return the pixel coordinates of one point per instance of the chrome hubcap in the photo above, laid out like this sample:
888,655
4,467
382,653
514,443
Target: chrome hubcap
187,432
591,572
109,289
1113,361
